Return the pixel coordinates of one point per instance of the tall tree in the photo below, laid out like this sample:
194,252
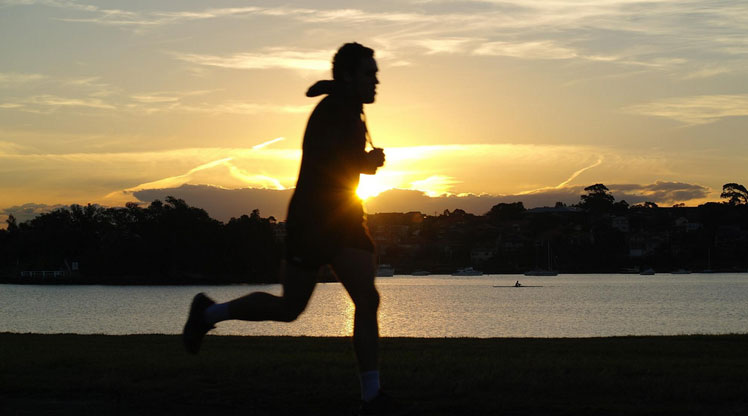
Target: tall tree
597,199
12,223
735,194
503,211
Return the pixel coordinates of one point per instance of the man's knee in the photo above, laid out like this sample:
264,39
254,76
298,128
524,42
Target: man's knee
292,310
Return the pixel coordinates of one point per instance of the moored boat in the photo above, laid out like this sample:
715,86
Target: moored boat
385,270
467,271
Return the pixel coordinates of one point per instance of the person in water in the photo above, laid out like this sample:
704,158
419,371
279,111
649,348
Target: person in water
325,224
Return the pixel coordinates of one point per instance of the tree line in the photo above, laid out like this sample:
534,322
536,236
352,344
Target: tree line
165,243
596,235
171,242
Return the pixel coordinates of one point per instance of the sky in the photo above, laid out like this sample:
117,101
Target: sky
517,100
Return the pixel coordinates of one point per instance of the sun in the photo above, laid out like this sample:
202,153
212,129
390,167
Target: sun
371,186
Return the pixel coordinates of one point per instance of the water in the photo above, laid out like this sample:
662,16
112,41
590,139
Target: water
433,306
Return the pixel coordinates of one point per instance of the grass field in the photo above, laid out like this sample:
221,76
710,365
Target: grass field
151,375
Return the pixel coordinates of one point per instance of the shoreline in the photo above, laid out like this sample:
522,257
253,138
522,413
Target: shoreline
151,374
206,282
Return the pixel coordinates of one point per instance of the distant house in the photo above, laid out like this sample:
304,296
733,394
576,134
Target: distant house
686,225
44,274
67,269
645,243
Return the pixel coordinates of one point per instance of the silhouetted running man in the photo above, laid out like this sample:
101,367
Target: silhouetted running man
325,225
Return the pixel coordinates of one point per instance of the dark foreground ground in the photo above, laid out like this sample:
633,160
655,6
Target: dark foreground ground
151,375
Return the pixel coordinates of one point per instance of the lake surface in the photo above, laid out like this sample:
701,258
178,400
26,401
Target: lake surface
431,306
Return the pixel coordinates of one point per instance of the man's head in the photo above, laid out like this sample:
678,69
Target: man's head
354,66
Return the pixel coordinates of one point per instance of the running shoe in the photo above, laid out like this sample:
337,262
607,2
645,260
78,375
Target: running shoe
196,327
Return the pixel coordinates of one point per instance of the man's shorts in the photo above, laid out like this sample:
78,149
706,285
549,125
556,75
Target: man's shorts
311,246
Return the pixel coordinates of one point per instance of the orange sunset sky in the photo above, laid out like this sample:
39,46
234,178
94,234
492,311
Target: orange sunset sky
114,101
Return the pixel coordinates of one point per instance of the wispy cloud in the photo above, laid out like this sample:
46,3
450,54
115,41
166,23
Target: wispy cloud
269,58
678,32
214,173
444,45
435,185
268,143
55,101
90,93
48,103
694,110
527,50
668,192
13,78
7,148
25,212
706,72
565,183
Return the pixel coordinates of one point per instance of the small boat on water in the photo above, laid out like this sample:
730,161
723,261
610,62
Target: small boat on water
420,273
647,272
467,271
544,272
385,270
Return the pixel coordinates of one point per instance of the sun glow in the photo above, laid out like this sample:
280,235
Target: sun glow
371,186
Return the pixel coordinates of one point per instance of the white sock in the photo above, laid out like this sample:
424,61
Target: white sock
216,313
369,385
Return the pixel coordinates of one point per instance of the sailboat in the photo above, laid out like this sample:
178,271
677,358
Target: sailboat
708,262
385,270
544,272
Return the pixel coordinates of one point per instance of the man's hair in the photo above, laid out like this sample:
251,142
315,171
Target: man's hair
348,58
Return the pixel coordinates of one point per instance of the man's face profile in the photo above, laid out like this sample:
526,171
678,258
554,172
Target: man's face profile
365,80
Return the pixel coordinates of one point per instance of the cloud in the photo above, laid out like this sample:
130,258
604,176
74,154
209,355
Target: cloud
677,32
435,170
14,78
268,58
101,96
707,72
526,50
26,212
8,148
243,108
55,101
444,45
48,103
695,110
567,181
268,143
661,192
223,204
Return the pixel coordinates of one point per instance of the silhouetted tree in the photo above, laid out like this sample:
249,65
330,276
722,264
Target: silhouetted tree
504,212
620,207
12,224
597,199
736,194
